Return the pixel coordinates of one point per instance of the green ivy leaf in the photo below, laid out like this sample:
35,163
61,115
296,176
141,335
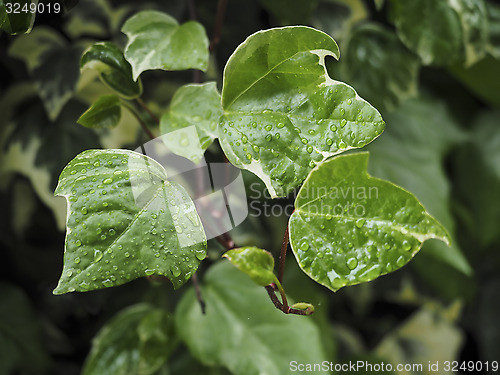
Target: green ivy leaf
103,114
198,105
349,227
52,63
430,28
411,155
255,262
157,41
283,114
380,67
16,23
114,70
138,340
126,221
442,32
493,46
242,330
474,22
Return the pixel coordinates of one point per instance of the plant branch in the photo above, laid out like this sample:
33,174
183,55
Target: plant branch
139,119
197,290
289,310
146,108
221,11
282,258
192,10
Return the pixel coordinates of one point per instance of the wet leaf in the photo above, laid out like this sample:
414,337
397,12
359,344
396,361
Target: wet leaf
398,157
104,113
114,71
192,105
126,221
283,114
380,67
255,262
157,41
242,330
349,227
138,340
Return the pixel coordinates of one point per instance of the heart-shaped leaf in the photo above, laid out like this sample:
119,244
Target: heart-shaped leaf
103,114
349,227
126,221
157,41
255,262
242,330
283,114
198,105
138,340
114,70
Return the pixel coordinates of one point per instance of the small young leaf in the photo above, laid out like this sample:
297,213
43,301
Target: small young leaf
103,114
198,105
242,330
255,262
138,340
157,41
349,227
114,70
126,221
283,114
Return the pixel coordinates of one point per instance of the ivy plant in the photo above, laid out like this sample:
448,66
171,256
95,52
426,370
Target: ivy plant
279,115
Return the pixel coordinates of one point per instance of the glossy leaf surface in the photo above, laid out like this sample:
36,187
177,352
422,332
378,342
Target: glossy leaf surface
398,157
255,262
443,32
104,113
283,114
114,70
157,41
192,105
349,227
137,340
430,28
241,329
126,221
13,19
380,67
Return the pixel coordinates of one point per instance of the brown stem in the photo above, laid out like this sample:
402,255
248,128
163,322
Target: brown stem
221,10
146,108
197,290
192,10
289,310
284,247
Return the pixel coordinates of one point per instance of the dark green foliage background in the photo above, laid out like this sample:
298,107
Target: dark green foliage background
442,143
